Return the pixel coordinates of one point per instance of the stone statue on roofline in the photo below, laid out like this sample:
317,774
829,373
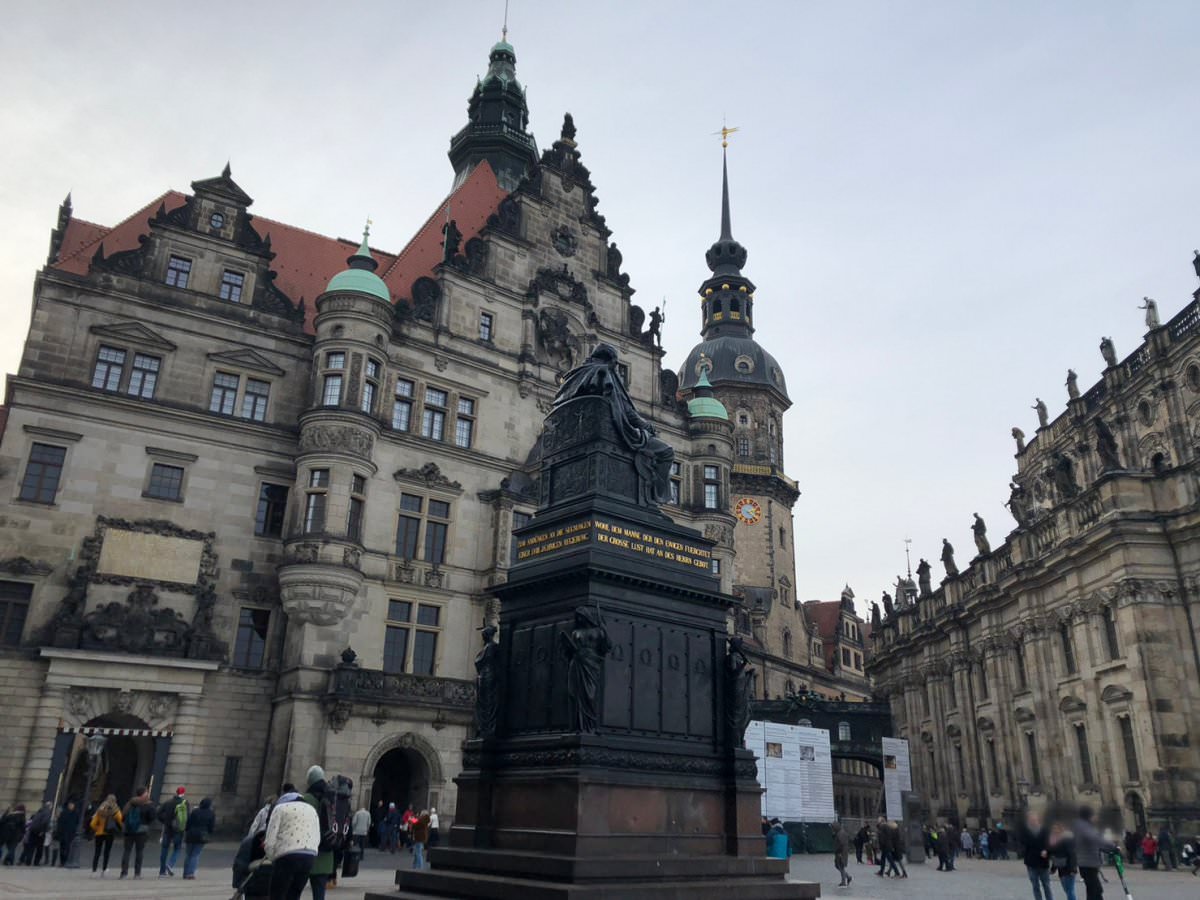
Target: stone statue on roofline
1019,437
1042,414
979,529
1072,385
1151,308
924,578
1106,447
948,558
1108,351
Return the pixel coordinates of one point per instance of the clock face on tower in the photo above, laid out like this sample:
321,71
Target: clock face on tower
748,511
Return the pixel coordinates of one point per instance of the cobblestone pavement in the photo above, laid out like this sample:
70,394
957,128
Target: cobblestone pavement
213,881
977,879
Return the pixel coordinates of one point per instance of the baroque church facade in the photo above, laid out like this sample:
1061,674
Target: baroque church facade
1062,666
259,483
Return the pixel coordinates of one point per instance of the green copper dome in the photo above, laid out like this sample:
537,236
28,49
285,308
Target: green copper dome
704,405
360,277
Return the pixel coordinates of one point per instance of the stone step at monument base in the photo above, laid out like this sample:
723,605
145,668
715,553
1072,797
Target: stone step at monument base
505,875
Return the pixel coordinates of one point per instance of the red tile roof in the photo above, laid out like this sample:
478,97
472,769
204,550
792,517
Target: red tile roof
304,260
824,614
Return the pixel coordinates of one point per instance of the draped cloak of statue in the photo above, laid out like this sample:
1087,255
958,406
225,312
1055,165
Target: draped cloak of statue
586,646
597,377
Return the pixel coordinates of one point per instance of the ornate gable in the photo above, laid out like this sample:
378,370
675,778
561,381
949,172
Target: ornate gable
133,333
246,359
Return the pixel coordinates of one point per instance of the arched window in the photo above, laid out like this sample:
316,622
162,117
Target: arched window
843,731
787,643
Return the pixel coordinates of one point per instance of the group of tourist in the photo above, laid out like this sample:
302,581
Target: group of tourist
46,839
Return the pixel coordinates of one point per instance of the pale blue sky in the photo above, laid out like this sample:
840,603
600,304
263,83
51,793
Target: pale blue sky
946,204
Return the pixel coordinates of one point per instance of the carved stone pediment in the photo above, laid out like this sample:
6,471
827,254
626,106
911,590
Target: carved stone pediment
429,475
23,565
133,333
246,359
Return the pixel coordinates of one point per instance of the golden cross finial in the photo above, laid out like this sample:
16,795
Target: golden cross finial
367,228
725,132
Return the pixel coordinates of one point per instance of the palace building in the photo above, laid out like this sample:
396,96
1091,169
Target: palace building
258,483
1061,667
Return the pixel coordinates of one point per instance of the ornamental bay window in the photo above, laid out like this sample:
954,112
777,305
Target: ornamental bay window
358,502
331,385
370,386
712,487
316,499
411,638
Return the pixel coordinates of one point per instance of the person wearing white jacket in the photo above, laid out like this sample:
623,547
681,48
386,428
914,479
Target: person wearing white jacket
293,836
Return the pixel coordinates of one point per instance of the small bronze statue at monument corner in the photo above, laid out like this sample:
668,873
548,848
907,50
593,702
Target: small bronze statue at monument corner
487,684
1042,414
1108,351
948,558
598,377
924,578
979,529
586,646
740,677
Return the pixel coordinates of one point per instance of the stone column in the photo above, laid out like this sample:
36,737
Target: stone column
183,743
41,745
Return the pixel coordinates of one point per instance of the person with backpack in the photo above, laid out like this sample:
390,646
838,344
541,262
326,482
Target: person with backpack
293,836
251,868
320,798
200,827
173,816
420,837
12,829
138,813
35,837
106,825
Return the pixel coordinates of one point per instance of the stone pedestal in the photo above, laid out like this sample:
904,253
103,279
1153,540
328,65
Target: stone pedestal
643,792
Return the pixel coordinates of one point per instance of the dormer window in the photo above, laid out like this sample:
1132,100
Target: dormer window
231,286
179,270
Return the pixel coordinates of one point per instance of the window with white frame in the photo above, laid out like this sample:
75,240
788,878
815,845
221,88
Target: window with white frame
464,424
408,527
843,731
411,638
331,385
370,386
486,322
223,399
179,270
433,416
437,526
231,286
254,399
358,502
43,472
143,377
676,483
402,406
110,366
316,498
712,487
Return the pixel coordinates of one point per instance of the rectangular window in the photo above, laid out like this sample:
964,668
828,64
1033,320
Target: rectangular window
435,542
433,417
15,597
402,407
110,364
1085,756
743,447
845,657
676,481
995,763
224,393
335,360
272,502
368,397
1110,634
716,567
395,650
251,644
925,698
403,632
983,679
712,487
43,472
951,694
425,653
358,488
1130,747
229,779
166,482
464,426
231,286
1068,648
315,501
331,394
485,326
519,520
178,271
858,660
143,377
1035,772
254,400
1022,675
373,369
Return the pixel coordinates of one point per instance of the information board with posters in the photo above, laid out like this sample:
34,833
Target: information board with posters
897,776
795,770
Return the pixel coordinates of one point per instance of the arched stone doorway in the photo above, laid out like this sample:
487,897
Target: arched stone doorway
124,765
402,769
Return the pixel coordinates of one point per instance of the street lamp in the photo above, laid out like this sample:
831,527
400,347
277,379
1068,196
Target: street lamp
95,746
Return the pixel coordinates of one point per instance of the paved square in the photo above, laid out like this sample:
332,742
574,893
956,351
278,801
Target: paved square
977,879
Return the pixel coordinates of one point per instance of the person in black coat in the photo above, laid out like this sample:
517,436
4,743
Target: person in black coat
254,881
1035,838
12,830
64,830
200,826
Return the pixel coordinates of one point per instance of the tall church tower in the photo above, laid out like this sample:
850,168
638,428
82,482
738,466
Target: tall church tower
497,123
750,384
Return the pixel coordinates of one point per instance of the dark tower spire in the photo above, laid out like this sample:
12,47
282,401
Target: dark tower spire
728,296
497,122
